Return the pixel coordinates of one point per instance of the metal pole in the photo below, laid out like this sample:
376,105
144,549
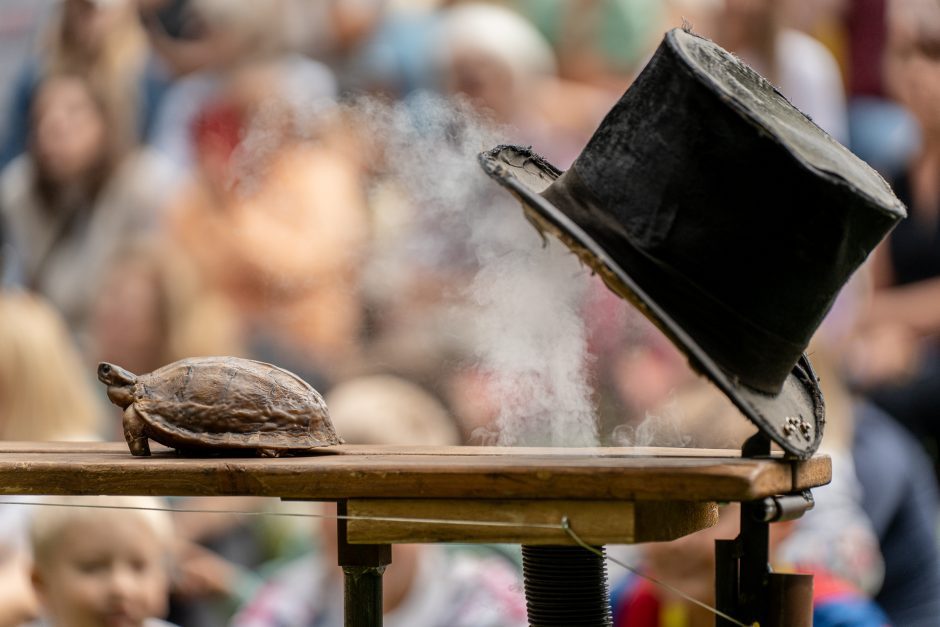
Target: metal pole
726,580
745,586
754,565
363,566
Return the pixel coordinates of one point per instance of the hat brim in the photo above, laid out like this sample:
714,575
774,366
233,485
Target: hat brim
793,418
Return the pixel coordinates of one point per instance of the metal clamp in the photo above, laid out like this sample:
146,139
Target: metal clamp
783,507
746,588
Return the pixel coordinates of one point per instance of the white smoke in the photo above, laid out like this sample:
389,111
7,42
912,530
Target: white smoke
524,297
525,323
530,334
659,429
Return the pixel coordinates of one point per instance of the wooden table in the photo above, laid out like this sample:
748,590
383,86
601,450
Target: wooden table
610,495
613,495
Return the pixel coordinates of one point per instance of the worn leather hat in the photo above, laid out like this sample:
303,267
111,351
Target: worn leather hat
725,215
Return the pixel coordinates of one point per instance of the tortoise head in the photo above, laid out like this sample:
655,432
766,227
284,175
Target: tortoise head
120,383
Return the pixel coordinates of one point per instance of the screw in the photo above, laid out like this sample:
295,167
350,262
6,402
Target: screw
805,428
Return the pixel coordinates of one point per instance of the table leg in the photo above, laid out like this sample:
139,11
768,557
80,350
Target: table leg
754,565
726,580
363,566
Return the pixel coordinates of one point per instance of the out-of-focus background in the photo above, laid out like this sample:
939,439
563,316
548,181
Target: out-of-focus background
295,181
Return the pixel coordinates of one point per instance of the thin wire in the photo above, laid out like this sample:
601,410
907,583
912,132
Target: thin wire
564,526
436,521
567,529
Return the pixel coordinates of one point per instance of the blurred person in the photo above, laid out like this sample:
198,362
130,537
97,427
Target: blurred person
276,224
498,61
426,585
688,564
153,310
215,554
798,65
21,20
73,201
867,33
45,395
227,39
493,56
645,368
899,495
46,392
371,46
257,258
895,356
814,16
881,131
598,42
101,41
416,418
18,603
825,21
194,35
101,566
898,487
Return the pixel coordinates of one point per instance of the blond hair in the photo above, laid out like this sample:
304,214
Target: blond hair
385,409
500,33
45,392
49,522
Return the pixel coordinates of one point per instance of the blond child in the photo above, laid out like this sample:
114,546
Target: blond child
96,566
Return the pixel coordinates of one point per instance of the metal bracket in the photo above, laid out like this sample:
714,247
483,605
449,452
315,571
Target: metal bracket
784,507
745,586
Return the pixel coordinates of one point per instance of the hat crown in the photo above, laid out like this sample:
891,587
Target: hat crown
760,102
753,216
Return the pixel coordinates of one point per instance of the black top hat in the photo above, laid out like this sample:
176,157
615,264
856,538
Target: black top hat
725,215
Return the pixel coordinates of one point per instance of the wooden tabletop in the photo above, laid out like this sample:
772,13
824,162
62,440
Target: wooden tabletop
383,472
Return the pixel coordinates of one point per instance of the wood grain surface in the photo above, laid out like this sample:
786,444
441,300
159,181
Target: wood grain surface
347,472
595,522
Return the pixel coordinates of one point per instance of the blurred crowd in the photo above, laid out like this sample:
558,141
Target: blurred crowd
219,177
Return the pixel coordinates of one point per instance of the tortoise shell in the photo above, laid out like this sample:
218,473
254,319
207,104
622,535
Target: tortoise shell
218,403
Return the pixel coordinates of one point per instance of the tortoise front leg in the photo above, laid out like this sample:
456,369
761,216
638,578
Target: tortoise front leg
135,432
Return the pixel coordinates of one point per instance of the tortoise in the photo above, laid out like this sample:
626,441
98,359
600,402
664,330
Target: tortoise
217,404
